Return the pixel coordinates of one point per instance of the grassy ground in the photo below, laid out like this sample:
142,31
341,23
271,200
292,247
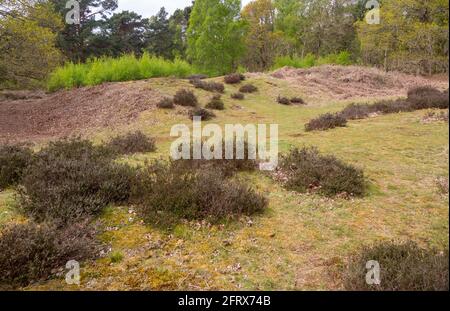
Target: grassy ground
301,239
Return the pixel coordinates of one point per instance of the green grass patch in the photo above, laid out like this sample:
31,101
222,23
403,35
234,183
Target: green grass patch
124,68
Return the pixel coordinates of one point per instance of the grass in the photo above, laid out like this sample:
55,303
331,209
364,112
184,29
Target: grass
124,68
310,60
296,242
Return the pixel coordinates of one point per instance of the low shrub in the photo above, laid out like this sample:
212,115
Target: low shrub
205,114
307,170
208,86
325,122
442,185
171,193
216,103
298,101
248,88
131,143
185,98
31,252
72,179
426,97
404,267
238,96
283,100
228,167
234,78
13,161
166,103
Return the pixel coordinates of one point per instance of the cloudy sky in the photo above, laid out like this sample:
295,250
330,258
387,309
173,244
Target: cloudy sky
147,8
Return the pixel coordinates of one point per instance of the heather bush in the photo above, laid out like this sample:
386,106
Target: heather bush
234,78
248,88
283,100
72,179
404,267
298,101
228,167
166,103
170,193
205,114
13,162
216,103
197,77
185,98
30,252
426,97
325,122
238,96
307,170
208,86
131,143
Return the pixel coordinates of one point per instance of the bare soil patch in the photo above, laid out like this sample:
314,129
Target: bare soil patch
351,82
33,116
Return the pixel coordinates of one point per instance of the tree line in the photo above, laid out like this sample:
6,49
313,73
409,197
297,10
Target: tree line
219,36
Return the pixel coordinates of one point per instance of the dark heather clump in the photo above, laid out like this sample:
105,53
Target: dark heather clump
171,193
325,122
70,180
404,267
185,98
131,143
166,103
13,162
31,253
306,170
248,88
205,114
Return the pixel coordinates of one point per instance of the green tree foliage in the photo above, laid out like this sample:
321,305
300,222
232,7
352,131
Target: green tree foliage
160,35
215,35
412,36
28,31
123,33
319,27
75,40
262,42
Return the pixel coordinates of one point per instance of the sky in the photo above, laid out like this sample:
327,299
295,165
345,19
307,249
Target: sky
147,8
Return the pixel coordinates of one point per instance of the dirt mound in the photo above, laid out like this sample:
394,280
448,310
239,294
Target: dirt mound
348,82
65,113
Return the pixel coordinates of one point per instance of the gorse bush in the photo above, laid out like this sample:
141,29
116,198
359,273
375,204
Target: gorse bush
185,98
325,122
404,267
166,103
171,192
205,114
208,86
124,68
72,179
13,161
248,88
132,143
307,170
238,96
31,252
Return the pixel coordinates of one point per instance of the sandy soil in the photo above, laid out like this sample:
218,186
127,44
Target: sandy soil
352,82
34,115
